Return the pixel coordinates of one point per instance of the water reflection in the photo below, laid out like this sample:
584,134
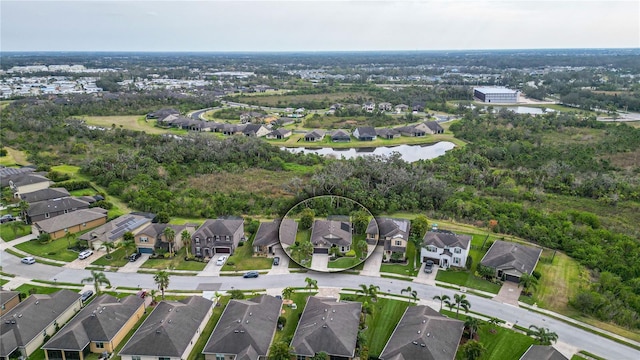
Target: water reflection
409,153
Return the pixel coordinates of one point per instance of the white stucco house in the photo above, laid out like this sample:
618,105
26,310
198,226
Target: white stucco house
445,248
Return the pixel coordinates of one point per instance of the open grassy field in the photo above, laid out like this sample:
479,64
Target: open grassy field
258,181
14,157
130,122
284,101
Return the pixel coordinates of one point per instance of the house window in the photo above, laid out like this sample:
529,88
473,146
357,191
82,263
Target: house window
66,211
135,357
197,240
66,230
457,251
198,251
144,239
84,224
432,249
228,238
46,215
219,357
456,260
217,238
100,345
301,357
163,358
398,242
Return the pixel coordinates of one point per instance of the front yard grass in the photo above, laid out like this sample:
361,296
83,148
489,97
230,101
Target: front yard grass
292,316
243,259
25,288
504,344
402,269
55,250
7,234
177,262
118,259
467,279
349,262
196,352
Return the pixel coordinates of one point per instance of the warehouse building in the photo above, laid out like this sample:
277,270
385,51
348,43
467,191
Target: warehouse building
495,95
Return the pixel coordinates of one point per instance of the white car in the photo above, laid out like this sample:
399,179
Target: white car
28,260
85,254
221,260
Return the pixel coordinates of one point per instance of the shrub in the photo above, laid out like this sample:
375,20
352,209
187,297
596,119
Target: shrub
350,253
537,274
241,243
230,262
469,262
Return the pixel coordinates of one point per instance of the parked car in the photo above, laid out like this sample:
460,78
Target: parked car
221,260
6,218
276,260
135,256
428,267
251,274
85,254
28,260
86,295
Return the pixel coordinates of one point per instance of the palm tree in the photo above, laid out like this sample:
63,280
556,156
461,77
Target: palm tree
162,280
70,237
441,298
153,293
311,283
97,278
364,290
185,236
461,302
528,282
287,292
372,291
494,321
24,208
169,236
472,350
108,246
543,335
450,304
472,324
362,246
128,246
16,226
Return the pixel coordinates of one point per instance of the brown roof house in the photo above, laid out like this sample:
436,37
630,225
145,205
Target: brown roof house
70,223
270,235
445,248
394,233
8,300
217,236
152,237
326,234
329,326
97,328
423,333
25,327
114,230
511,260
245,330
28,182
170,331
542,352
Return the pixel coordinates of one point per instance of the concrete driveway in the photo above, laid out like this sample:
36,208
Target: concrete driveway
509,293
424,278
373,263
81,264
320,262
283,268
212,269
132,267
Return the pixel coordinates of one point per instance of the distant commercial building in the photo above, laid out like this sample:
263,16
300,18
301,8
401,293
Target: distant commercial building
495,95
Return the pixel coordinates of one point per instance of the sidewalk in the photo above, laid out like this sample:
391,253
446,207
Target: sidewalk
10,245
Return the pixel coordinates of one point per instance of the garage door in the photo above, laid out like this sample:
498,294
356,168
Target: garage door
222,250
145,250
512,278
320,251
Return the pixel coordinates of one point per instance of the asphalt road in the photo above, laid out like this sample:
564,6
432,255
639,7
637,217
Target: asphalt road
568,334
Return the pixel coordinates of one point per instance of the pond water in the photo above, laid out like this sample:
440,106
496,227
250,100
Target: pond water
409,153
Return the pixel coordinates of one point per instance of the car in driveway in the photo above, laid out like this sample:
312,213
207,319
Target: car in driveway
221,260
251,274
135,256
276,260
86,295
28,260
85,254
6,218
428,267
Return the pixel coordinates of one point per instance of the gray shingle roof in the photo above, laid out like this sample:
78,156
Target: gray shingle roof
391,228
116,228
504,255
44,194
101,320
155,230
28,179
434,126
541,352
315,134
246,327
327,325
270,233
221,227
169,328
441,239
366,131
6,296
32,316
48,206
77,217
325,233
423,333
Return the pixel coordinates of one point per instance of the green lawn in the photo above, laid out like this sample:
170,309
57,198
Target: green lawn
344,262
39,289
7,234
56,250
243,259
3,281
402,269
505,344
196,352
118,259
466,279
292,316
175,263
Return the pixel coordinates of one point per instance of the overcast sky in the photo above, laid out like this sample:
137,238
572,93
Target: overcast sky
214,25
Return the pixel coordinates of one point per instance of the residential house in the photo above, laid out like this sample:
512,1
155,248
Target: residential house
114,230
44,195
511,260
385,106
28,182
388,133
326,234
340,136
278,134
369,106
152,237
25,327
245,330
400,108
445,248
283,121
51,208
315,135
255,130
542,352
365,133
98,328
415,130
70,223
394,233
217,236
417,108
434,127
162,113
423,333
251,117
329,326
10,173
170,331
8,300
270,235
